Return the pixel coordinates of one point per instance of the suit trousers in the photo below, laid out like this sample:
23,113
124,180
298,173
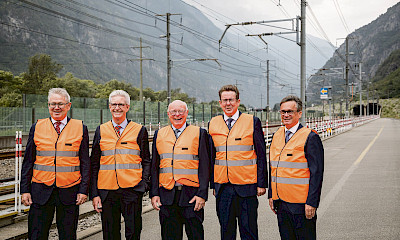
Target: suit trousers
127,203
295,226
41,216
233,209
173,217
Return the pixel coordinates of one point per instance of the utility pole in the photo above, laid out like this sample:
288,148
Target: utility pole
267,90
168,36
141,68
367,98
359,66
303,58
168,62
347,76
261,98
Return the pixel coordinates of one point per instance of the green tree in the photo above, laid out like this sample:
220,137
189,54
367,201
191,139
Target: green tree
10,90
242,108
78,87
104,90
176,94
11,99
149,93
42,70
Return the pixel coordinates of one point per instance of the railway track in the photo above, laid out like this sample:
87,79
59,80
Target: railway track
9,154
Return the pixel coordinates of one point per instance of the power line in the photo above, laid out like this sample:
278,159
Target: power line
341,16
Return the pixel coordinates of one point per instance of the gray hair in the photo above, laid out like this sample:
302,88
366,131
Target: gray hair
295,99
178,101
59,91
120,93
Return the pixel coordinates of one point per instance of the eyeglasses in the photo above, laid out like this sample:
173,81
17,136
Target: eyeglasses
60,105
289,112
120,105
179,112
232,100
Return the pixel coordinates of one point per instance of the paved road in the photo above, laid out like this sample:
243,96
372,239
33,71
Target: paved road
360,196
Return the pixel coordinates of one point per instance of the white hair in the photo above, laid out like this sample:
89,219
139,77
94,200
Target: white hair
178,101
120,93
59,91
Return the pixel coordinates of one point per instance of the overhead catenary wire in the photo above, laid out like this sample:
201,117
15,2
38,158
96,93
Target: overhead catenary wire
204,38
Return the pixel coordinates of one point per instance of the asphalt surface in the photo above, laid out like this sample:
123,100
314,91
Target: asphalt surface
360,195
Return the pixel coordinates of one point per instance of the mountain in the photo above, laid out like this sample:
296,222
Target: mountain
371,45
99,40
387,77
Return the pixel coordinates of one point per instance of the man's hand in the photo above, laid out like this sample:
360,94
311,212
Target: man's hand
214,192
156,202
26,199
200,202
310,211
97,204
81,199
271,205
261,191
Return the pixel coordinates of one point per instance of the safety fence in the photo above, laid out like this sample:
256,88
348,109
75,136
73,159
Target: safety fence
150,114
94,111
328,127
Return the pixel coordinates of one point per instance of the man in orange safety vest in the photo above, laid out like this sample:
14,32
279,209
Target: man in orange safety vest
296,164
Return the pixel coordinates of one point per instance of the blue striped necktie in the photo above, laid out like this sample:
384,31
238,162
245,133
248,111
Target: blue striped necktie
287,134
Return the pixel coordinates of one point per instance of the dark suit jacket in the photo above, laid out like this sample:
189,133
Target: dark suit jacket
40,192
142,186
262,175
314,152
188,192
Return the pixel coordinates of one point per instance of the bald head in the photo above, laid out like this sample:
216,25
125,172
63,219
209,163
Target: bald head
177,103
177,113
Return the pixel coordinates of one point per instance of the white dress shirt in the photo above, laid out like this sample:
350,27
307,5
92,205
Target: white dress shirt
122,125
292,129
63,123
180,129
234,117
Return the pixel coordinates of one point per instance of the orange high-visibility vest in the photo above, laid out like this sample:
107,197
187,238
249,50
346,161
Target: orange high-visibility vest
120,162
236,159
179,158
57,156
290,175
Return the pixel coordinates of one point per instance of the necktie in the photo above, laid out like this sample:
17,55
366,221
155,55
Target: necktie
57,127
117,128
287,134
177,131
229,123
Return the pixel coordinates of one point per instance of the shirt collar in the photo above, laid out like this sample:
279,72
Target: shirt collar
123,124
294,128
64,121
234,117
180,129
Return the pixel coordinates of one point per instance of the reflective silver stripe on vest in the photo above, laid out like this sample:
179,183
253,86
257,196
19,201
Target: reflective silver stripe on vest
290,180
236,163
59,153
120,166
180,171
56,168
180,156
234,148
120,151
299,165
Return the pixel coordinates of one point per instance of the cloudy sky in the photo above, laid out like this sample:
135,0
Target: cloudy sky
337,18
